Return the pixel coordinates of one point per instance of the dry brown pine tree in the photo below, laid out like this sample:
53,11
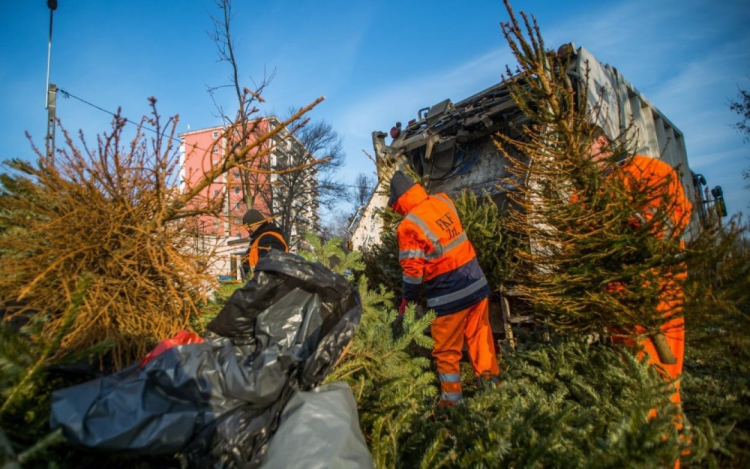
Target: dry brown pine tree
114,212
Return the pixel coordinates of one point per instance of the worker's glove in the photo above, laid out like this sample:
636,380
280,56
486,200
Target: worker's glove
402,307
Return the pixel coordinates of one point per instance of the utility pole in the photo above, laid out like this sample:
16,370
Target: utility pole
50,103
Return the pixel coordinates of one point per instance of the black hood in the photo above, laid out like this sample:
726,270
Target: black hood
400,183
264,228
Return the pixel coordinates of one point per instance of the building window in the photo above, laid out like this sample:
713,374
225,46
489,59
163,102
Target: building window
216,192
215,134
236,190
216,148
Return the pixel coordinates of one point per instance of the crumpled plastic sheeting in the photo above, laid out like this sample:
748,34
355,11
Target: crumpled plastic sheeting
319,429
218,402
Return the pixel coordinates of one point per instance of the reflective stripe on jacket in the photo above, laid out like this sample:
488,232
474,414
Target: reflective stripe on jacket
434,250
252,257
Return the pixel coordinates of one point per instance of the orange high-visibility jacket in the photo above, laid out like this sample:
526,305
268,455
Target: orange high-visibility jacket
643,170
257,249
434,250
651,172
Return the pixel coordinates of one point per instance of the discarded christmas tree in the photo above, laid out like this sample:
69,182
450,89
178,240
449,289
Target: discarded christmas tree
385,364
116,212
717,366
601,250
564,404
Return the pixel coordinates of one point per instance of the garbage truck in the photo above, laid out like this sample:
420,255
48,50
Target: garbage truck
451,144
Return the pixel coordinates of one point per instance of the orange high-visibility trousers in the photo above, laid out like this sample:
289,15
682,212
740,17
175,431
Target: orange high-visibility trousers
674,332
449,332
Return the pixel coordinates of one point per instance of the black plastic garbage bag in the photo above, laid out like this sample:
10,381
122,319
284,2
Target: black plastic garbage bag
218,402
322,428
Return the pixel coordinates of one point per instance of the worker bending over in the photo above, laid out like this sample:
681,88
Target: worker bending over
659,176
434,250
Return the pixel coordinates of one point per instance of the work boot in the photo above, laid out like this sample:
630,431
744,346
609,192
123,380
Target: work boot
486,381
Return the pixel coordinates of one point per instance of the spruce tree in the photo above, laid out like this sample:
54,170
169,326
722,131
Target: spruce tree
716,379
385,364
564,404
332,255
26,380
589,263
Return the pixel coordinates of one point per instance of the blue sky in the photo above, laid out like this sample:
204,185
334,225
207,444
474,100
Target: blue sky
376,63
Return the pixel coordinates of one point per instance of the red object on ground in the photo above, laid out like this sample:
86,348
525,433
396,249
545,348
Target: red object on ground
182,338
402,306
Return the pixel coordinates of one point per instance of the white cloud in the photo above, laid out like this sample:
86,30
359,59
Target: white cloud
400,100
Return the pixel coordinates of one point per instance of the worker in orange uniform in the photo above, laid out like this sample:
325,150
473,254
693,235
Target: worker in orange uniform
644,171
434,250
264,236
669,198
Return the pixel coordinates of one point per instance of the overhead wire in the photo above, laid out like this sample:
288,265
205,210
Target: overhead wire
67,94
